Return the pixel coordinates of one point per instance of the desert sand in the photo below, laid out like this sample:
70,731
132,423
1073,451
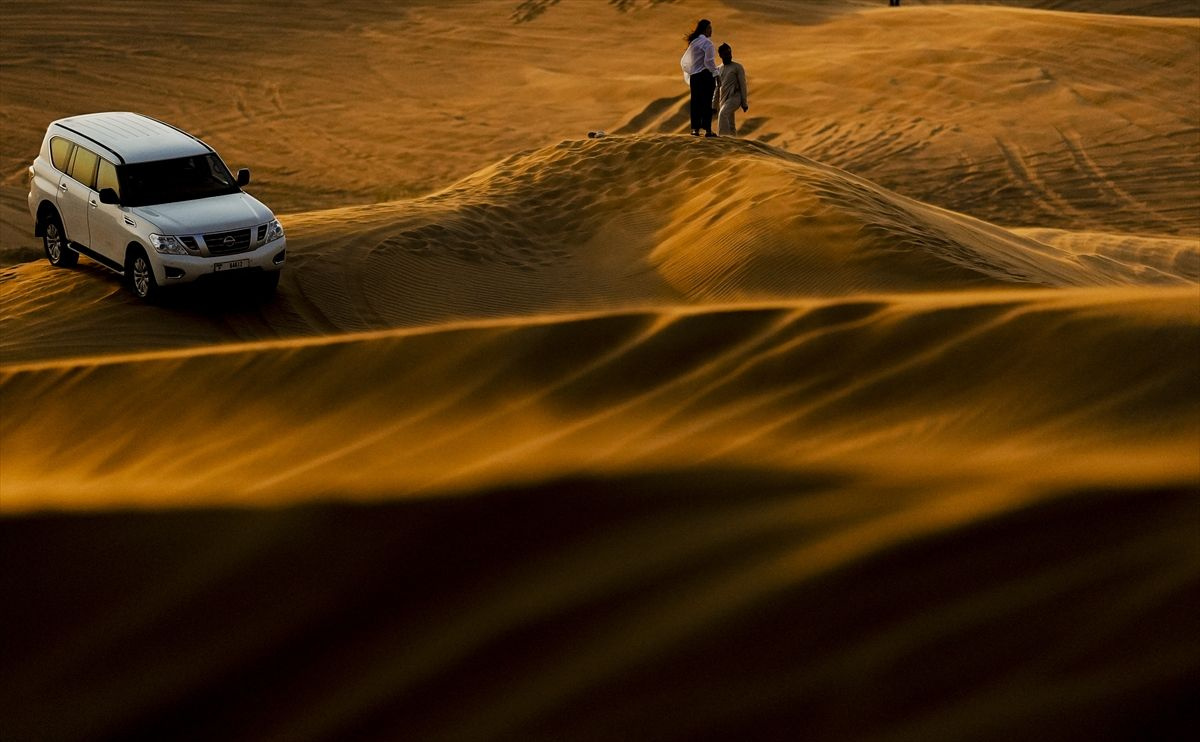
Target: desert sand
881,421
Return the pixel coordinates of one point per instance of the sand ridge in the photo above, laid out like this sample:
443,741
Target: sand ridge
356,128
588,225
890,382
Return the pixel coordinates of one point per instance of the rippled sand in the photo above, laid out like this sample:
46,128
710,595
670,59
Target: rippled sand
882,422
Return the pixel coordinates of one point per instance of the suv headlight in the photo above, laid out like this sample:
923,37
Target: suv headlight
168,244
274,230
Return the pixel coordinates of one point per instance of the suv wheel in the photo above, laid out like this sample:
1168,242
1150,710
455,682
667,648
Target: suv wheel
140,275
55,242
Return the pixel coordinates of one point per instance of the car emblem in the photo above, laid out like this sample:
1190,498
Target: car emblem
228,241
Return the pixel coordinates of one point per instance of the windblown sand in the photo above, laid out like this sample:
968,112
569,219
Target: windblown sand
880,422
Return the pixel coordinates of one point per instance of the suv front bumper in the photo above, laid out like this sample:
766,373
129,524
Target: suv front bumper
171,269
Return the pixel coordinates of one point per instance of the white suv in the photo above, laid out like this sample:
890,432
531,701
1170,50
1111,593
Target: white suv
149,201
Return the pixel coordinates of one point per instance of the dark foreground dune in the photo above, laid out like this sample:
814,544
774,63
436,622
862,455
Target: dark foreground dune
934,517
702,604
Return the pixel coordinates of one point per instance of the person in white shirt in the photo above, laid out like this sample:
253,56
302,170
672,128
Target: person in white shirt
699,65
731,92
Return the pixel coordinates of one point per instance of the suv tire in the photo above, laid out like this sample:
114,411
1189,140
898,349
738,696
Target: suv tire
55,243
139,275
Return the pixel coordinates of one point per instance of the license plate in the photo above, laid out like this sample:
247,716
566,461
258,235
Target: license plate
230,265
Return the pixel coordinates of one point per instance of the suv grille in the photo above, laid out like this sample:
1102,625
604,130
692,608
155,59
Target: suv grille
224,243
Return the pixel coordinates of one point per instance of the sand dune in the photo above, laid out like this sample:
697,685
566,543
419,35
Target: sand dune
932,101
666,219
936,102
962,510
611,607
1082,384
595,225
879,423
1173,256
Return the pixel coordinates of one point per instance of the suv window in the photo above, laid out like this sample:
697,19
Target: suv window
106,177
60,152
83,166
182,179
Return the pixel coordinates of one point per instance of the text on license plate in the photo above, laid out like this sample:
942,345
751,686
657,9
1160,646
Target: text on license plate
230,265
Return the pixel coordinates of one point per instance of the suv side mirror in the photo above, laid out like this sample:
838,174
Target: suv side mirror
109,196
243,176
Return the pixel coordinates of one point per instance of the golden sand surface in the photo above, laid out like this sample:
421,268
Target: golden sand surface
881,421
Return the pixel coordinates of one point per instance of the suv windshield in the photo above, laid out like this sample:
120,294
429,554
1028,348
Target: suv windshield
183,179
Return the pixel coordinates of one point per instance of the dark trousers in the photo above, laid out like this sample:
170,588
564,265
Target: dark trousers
703,84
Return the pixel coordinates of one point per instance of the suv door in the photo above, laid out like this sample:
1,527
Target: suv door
106,222
74,192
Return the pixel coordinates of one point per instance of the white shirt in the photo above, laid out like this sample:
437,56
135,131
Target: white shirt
700,55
